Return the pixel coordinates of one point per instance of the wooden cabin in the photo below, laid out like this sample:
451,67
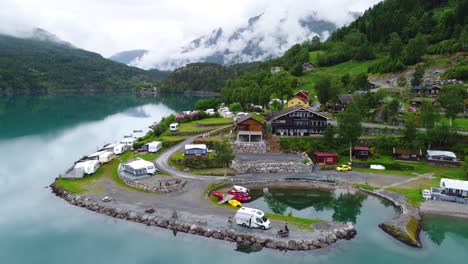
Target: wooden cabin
325,158
249,129
360,152
406,154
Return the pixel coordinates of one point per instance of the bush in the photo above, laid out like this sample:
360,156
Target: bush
386,66
138,144
460,72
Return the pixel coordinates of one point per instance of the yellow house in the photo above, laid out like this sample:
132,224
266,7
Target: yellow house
300,98
297,101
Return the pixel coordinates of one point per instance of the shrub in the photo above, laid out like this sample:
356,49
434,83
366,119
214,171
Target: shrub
386,66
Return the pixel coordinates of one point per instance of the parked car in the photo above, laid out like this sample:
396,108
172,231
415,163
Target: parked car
344,167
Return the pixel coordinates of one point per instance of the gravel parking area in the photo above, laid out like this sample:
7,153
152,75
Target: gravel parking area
444,208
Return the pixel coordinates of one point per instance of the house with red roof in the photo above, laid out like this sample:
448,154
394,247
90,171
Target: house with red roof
301,98
325,158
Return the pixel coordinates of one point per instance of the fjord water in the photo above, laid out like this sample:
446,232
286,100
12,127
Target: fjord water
41,136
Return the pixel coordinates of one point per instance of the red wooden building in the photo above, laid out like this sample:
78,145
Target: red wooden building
407,154
361,152
325,158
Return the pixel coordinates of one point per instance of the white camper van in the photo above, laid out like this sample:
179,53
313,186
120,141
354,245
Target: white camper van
152,147
117,148
102,156
88,166
174,127
253,218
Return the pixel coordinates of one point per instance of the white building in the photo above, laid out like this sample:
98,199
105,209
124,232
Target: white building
454,187
439,155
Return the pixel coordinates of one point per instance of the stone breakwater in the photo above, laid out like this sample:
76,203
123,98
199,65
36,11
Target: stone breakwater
334,232
167,186
405,227
303,165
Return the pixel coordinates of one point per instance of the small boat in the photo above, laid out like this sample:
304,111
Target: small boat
138,131
283,233
107,199
234,203
377,167
241,197
218,195
240,189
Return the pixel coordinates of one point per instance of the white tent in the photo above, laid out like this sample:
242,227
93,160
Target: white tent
139,167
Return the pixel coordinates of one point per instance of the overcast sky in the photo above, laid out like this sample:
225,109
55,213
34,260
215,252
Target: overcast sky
110,26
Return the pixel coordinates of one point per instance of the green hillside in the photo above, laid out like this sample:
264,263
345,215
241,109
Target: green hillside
37,66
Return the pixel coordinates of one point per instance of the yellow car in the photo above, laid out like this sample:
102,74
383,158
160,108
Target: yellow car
344,168
235,203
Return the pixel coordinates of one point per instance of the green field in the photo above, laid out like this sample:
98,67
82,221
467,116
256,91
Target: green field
414,196
302,223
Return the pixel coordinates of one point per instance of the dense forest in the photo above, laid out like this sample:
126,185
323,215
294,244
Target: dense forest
37,66
398,32
202,77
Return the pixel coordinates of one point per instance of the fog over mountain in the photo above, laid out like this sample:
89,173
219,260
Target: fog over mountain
263,37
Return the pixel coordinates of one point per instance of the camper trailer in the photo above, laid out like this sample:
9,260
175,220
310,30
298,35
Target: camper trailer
88,166
128,141
152,147
174,127
102,156
139,167
117,148
253,218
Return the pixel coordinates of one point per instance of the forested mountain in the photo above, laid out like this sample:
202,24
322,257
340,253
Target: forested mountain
41,63
203,77
126,57
394,34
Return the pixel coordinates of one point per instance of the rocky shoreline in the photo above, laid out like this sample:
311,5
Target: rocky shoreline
328,236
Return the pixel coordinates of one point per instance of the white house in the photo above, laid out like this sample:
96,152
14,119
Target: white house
139,167
439,155
195,150
454,187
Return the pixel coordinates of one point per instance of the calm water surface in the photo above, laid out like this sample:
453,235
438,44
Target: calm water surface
41,136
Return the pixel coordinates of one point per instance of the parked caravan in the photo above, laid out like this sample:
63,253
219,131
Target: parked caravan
87,166
139,167
196,150
128,141
152,147
174,127
253,218
117,148
102,156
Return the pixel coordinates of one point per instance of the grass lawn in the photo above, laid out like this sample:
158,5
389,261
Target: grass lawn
365,187
458,123
215,121
213,172
419,167
414,196
109,170
302,223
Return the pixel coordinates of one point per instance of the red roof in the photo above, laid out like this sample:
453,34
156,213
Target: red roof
325,154
361,148
304,95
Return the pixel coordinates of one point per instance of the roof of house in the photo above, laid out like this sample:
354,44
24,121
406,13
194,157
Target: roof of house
304,95
361,148
401,151
441,153
139,163
195,146
454,184
295,108
345,98
325,154
247,117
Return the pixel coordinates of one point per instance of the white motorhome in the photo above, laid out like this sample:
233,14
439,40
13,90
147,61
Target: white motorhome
128,141
174,127
152,147
102,156
253,218
117,148
88,166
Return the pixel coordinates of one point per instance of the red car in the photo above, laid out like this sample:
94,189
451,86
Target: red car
218,195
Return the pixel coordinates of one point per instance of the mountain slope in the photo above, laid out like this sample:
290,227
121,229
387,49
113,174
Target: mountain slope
42,63
126,57
258,40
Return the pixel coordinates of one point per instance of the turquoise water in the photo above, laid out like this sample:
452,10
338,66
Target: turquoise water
41,136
